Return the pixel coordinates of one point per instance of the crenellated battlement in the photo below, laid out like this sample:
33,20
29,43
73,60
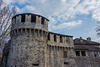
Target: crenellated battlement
30,32
28,17
56,39
28,20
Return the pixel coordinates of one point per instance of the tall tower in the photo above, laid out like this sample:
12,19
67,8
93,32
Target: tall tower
28,41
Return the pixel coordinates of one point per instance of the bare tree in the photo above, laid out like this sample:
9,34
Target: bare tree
6,14
98,28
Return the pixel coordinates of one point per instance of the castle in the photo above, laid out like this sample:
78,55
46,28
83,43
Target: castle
32,45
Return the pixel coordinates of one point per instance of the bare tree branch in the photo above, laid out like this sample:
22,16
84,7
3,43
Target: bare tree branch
98,28
6,14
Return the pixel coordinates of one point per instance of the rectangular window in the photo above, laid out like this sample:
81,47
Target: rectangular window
33,18
48,36
28,30
60,38
55,38
83,53
77,53
23,18
66,62
35,64
95,55
42,20
65,54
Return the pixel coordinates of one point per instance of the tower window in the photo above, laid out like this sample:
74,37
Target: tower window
28,30
66,62
60,38
95,55
23,18
35,64
48,36
55,38
83,53
33,18
77,53
19,30
42,20
65,54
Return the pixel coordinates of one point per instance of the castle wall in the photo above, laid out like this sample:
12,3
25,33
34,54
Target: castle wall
28,41
64,41
87,61
27,48
55,51
56,57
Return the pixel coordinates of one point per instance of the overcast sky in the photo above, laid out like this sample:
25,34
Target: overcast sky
70,17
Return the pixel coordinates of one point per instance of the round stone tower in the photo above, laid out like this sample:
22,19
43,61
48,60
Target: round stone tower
28,41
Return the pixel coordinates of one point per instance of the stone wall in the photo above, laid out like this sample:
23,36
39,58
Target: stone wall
28,41
56,48
87,61
27,48
61,40
56,57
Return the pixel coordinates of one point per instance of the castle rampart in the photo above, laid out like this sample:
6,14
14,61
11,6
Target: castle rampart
60,40
29,20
